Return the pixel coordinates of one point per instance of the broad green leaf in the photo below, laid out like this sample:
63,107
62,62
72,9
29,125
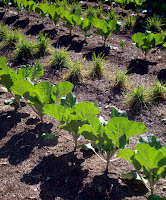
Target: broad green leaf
120,129
56,111
164,45
148,156
151,140
72,124
43,92
30,71
61,90
69,100
126,154
118,113
20,87
84,109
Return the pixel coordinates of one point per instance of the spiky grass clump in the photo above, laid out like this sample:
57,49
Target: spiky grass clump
24,49
158,91
60,59
97,66
3,31
129,22
154,23
120,79
75,73
12,38
43,44
138,98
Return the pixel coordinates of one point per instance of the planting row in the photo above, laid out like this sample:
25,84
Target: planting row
103,28
107,137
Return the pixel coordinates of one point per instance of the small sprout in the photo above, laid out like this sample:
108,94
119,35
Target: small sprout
122,44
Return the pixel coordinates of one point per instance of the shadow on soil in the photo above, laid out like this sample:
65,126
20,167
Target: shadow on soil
9,120
64,40
59,176
50,33
11,20
19,147
21,23
104,187
63,177
103,51
139,66
35,29
162,75
76,46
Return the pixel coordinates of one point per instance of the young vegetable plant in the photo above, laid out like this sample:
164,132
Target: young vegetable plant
71,115
108,137
85,25
28,5
68,19
45,93
150,158
147,41
12,81
105,28
54,13
122,44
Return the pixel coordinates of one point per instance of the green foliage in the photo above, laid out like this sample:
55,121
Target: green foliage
11,38
31,72
154,23
97,66
112,136
129,22
24,49
164,45
158,91
155,197
45,93
71,115
60,59
43,43
75,73
28,5
147,41
105,28
85,25
54,13
137,98
68,18
120,79
3,31
41,9
122,44
123,3
149,159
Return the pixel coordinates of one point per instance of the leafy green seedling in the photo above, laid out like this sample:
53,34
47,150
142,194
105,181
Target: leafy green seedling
45,93
147,41
12,81
122,44
105,28
28,5
111,136
150,158
85,26
54,13
71,115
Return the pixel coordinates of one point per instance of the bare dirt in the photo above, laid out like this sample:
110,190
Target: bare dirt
31,168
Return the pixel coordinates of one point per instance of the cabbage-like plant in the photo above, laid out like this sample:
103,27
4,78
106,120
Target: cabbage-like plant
147,41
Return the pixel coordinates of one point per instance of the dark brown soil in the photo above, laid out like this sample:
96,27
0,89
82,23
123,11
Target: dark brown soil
31,168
